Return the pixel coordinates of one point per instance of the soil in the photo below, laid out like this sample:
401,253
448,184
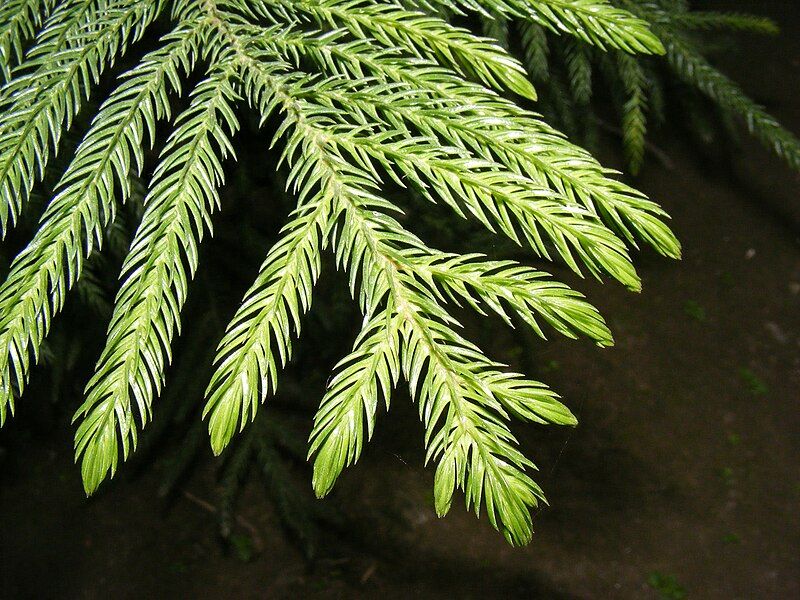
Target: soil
682,478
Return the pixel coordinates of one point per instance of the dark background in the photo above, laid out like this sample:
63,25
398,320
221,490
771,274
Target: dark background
682,475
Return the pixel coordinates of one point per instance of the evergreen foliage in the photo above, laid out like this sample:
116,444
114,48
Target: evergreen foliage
362,96
638,82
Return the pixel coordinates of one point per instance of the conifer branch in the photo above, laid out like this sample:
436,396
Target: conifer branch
426,36
58,74
162,259
634,110
694,69
690,66
350,404
477,396
19,20
258,340
535,51
709,20
363,94
518,140
73,223
595,22
579,69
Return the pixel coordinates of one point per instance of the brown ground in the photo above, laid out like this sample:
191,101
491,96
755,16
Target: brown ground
684,465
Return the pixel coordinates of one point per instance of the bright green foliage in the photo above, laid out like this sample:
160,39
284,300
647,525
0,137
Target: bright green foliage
429,37
74,221
596,22
147,310
248,362
362,96
19,21
46,91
